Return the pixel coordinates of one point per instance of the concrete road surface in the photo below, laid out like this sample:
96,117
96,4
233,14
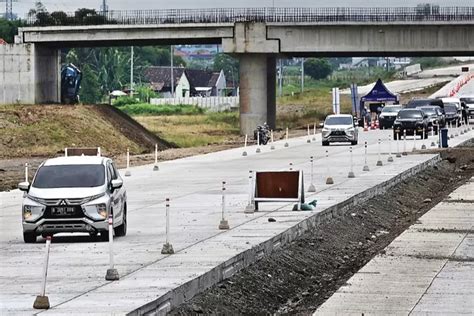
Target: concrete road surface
204,254
428,270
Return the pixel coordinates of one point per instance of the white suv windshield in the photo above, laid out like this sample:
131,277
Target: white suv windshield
338,120
69,176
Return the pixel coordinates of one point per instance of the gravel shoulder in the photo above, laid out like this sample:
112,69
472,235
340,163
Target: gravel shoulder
301,276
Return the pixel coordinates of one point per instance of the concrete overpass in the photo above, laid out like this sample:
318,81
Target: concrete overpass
257,37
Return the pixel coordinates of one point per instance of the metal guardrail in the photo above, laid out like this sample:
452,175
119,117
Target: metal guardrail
232,15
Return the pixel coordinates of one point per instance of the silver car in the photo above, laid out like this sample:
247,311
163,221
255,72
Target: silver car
340,128
74,194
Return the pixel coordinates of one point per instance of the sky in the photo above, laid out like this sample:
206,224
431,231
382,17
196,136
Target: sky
22,6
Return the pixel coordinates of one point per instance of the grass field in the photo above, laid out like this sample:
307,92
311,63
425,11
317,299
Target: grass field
294,111
194,130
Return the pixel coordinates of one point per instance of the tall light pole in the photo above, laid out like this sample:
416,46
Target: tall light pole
131,71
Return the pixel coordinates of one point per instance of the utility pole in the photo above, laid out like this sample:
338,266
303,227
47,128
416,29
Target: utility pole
172,71
280,78
302,75
131,71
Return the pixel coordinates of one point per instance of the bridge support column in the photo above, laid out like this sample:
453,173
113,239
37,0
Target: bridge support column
29,74
47,75
257,91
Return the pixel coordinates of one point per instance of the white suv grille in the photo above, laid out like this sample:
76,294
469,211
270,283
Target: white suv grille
54,202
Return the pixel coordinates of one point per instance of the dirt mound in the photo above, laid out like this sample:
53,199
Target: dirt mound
45,130
131,128
302,275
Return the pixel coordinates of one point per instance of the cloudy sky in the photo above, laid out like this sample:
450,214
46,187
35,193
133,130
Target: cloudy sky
22,6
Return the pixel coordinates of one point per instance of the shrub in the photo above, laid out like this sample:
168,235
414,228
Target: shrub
150,109
125,101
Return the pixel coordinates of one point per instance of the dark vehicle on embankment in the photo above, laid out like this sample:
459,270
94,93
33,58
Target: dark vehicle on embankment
411,121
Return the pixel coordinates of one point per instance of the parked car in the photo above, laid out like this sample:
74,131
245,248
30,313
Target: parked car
413,121
388,116
455,101
469,102
453,114
415,103
340,128
74,194
436,117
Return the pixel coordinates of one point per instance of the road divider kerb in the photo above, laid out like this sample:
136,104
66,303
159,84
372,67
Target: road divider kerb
167,246
224,223
42,300
112,273
156,167
127,171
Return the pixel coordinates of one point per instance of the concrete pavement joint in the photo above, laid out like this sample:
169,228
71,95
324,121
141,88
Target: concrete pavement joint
437,274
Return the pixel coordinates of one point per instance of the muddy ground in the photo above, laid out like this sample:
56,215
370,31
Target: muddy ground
301,276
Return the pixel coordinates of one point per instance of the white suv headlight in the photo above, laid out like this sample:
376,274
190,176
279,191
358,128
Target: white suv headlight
96,211
32,212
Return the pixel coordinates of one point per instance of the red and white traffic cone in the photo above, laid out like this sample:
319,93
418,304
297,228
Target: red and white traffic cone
366,128
377,125
372,124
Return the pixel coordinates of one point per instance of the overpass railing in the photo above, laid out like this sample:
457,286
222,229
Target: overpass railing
232,15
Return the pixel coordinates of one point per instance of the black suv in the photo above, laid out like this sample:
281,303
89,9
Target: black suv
436,118
416,103
413,121
453,115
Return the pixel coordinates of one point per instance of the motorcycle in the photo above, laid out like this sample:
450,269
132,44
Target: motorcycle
263,131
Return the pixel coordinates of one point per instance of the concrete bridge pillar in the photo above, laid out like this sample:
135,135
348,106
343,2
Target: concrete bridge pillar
29,74
47,75
257,91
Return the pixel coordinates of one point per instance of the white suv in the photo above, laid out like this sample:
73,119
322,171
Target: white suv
74,194
340,128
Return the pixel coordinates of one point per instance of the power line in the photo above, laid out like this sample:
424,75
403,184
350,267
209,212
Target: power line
9,8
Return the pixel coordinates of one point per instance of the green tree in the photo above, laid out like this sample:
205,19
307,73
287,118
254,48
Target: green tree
318,68
145,93
230,66
90,88
8,29
111,65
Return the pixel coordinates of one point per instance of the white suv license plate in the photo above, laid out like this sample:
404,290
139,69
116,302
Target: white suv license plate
62,210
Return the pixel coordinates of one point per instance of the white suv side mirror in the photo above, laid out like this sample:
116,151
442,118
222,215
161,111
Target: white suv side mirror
24,186
116,184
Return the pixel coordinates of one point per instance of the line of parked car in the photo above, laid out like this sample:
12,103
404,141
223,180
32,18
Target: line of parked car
421,116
